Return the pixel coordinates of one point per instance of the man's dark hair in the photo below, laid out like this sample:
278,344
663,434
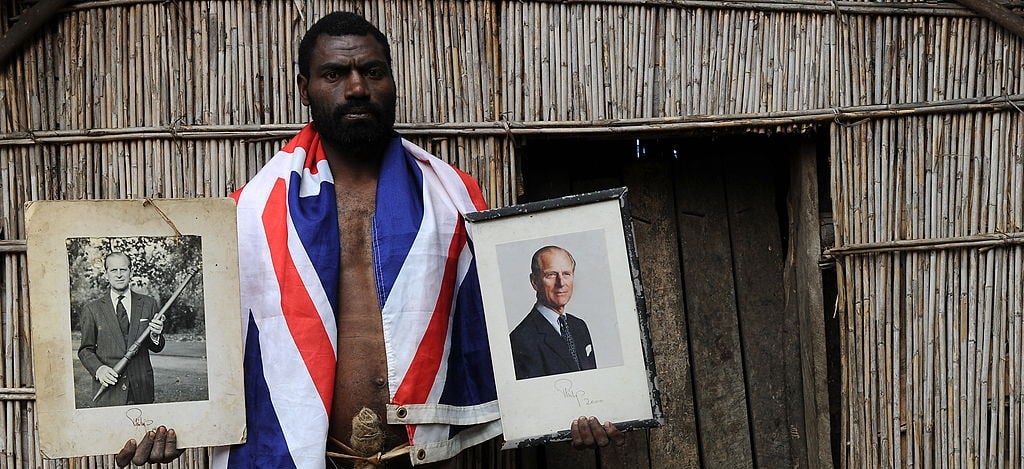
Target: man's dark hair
339,23
535,262
117,254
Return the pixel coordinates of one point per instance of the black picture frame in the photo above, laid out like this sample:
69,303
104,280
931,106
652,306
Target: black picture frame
614,376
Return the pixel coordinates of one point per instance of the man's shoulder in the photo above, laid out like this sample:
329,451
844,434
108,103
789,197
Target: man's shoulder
142,297
527,322
97,302
576,319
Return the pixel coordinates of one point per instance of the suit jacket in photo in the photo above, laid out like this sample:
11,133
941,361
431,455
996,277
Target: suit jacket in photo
103,344
538,349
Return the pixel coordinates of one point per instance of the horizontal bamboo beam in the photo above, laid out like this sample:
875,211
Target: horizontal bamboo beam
928,8
17,394
843,116
980,241
13,245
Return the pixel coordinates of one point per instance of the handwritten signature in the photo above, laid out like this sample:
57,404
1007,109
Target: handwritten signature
135,416
565,389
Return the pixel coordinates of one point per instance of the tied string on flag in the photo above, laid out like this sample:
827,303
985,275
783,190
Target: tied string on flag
367,442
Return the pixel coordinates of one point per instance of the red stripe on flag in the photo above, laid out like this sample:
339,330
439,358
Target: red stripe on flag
304,323
423,370
473,188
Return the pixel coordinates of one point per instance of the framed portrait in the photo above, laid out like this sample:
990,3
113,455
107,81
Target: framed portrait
135,322
565,316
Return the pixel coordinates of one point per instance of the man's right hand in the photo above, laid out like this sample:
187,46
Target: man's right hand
158,446
106,375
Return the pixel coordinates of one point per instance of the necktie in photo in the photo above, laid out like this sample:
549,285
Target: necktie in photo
122,317
563,327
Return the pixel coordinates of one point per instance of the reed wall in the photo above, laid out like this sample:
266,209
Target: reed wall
180,99
932,300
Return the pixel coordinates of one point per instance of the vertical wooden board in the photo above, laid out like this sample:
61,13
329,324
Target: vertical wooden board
757,259
804,300
633,453
652,203
527,458
562,454
720,395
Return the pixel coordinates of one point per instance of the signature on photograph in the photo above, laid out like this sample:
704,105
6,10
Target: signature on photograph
567,391
135,415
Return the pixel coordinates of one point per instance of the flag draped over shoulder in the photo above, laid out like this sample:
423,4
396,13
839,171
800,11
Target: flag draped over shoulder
439,369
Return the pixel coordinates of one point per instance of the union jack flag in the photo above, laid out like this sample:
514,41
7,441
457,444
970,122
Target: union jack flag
439,368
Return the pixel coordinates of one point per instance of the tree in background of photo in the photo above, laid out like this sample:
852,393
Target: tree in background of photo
159,266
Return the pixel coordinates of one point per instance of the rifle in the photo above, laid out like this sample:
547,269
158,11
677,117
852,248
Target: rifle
134,348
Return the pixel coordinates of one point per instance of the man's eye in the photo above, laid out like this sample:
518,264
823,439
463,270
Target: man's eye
331,75
376,73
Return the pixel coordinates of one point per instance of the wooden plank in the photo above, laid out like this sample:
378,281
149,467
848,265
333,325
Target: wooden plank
562,454
758,262
804,299
652,204
711,309
633,454
996,12
608,175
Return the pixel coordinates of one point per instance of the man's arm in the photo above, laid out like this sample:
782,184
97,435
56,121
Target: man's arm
87,349
525,358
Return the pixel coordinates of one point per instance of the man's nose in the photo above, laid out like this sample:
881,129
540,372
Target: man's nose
356,86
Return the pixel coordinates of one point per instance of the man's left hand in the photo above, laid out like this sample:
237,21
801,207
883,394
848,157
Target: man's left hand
156,325
158,446
589,433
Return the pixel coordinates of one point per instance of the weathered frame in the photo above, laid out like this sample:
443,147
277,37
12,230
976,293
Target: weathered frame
540,409
219,420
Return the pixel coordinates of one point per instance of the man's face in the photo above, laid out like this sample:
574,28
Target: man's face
553,283
118,273
350,91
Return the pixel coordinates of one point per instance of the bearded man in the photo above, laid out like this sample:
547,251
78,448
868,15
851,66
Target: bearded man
360,297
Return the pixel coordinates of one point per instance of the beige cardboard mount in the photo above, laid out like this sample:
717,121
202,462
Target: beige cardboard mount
67,242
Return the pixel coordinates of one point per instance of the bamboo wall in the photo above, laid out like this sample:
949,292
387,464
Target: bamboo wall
933,335
189,98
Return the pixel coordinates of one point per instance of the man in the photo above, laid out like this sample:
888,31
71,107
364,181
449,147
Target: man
359,288
549,340
111,324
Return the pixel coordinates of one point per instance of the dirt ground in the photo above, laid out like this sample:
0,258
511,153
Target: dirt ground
179,371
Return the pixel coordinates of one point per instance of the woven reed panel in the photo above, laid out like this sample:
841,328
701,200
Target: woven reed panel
933,352
233,63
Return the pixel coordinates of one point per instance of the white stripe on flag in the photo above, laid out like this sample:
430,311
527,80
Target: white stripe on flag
418,284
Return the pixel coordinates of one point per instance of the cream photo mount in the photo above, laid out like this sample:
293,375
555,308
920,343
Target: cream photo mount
183,255
612,375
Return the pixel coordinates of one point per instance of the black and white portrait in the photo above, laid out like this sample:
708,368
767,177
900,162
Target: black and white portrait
137,320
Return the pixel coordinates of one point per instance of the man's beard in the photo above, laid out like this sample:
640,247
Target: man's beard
358,135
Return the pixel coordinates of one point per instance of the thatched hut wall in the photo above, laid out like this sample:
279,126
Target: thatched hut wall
179,99
933,301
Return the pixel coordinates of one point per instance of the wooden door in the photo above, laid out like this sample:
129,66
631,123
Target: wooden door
713,233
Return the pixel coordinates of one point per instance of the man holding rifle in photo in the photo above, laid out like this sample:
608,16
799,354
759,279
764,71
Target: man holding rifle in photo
110,324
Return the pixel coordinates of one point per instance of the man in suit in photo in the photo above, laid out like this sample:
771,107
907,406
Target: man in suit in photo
549,340
110,324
